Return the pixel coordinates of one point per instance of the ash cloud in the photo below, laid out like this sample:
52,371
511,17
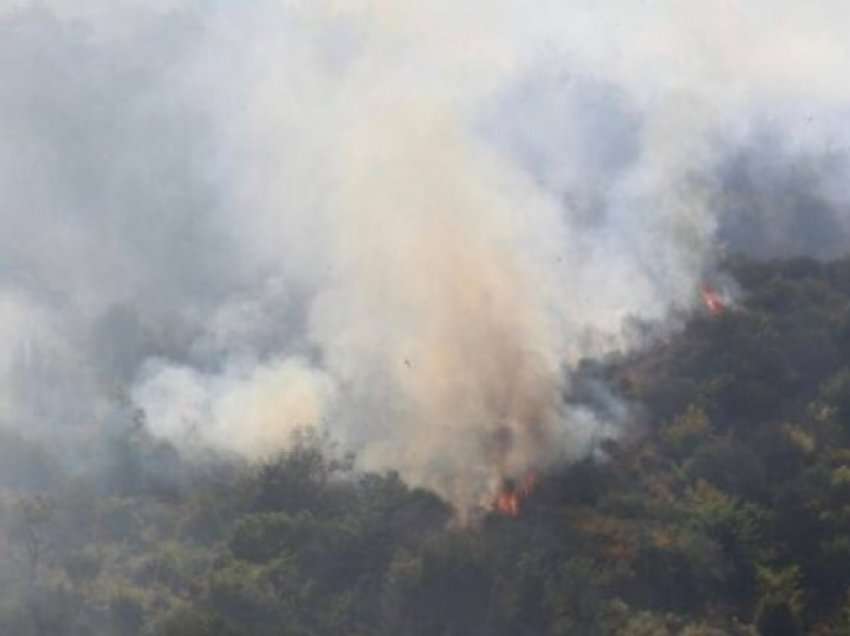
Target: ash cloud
404,223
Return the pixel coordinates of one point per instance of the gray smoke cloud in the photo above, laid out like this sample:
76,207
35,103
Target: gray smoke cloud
404,222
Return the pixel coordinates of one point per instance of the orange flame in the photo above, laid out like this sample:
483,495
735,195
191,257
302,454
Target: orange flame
714,302
509,501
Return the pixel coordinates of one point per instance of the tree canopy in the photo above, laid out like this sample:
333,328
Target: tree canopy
729,512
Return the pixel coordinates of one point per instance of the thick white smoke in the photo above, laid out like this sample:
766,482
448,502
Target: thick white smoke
404,222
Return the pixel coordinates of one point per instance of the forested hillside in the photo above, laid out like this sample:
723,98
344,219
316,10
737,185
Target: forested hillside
724,508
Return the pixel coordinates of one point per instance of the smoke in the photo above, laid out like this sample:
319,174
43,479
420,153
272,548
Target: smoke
406,224
777,202
247,408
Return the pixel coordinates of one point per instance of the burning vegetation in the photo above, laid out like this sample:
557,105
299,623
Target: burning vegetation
509,501
714,301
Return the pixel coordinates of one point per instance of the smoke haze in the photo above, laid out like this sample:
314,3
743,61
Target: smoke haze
404,223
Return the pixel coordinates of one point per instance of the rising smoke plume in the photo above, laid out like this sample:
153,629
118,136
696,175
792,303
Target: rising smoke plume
405,223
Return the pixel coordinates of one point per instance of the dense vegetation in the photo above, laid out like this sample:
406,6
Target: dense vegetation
728,514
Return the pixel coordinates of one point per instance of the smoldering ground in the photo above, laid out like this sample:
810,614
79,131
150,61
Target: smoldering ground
406,224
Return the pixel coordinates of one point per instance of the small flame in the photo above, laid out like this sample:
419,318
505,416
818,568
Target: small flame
509,501
714,302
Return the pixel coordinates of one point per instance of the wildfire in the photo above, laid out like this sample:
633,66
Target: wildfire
714,302
509,501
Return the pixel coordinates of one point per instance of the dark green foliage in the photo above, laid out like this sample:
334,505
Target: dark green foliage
731,466
728,515
186,621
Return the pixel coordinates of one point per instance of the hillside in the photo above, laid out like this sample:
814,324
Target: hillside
723,509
